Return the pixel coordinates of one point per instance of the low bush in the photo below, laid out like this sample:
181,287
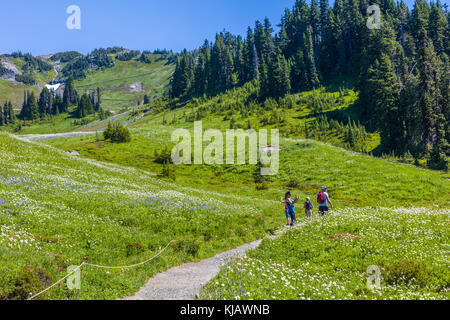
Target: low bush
30,280
135,248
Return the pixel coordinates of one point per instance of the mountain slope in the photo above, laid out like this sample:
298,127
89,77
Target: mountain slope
124,83
56,211
354,179
127,82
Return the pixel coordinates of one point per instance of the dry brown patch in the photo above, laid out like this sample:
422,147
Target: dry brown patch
344,236
99,144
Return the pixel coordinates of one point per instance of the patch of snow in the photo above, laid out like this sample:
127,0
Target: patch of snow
53,87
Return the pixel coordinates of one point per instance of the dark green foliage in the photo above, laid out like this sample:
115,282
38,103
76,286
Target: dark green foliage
293,183
32,63
135,248
65,57
128,55
70,96
401,70
144,58
109,131
407,272
167,172
117,133
163,156
26,78
30,108
98,58
121,134
29,281
190,247
7,115
76,68
85,106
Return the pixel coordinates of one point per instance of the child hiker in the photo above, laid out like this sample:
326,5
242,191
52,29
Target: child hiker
308,208
289,208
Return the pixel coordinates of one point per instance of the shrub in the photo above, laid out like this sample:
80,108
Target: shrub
117,133
167,172
293,183
164,156
30,280
121,134
406,272
26,78
262,186
108,133
135,248
190,247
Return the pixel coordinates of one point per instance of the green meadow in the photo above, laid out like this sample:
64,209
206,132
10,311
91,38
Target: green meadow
117,92
13,91
57,211
335,259
354,179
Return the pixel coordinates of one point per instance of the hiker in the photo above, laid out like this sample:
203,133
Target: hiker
308,208
323,199
289,208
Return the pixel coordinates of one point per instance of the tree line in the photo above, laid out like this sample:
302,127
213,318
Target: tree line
7,115
49,104
401,70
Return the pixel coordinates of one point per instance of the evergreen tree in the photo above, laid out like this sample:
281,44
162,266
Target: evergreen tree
275,81
438,26
146,100
2,120
201,73
99,100
84,106
441,148
251,64
429,89
70,96
45,103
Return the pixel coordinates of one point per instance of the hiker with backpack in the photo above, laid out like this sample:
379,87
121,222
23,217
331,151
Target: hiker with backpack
289,208
323,199
308,208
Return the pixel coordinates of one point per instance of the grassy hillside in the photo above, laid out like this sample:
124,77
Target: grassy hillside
354,179
56,211
123,85
128,81
321,114
13,91
329,259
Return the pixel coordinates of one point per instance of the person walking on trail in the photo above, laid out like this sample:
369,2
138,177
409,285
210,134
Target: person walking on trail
289,208
323,199
308,208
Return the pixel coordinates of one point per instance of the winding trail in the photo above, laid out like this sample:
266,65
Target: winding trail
186,281
34,137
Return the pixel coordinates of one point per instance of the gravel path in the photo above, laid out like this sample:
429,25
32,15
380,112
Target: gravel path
185,282
34,137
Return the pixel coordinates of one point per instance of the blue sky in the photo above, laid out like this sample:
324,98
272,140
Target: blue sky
39,27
